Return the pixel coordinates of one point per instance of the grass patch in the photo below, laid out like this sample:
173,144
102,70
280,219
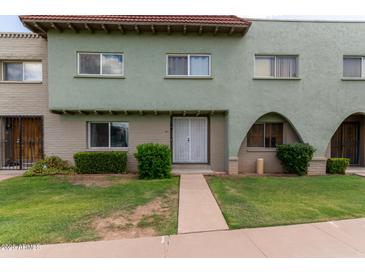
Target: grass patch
268,201
53,210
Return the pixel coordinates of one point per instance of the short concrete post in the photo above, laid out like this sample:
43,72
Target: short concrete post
260,166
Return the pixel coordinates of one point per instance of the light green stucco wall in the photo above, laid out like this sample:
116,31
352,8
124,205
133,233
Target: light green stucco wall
315,105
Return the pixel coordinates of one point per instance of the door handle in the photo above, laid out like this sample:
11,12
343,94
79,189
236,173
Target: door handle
188,139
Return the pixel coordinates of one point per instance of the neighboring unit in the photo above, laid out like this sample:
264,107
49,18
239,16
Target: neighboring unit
221,91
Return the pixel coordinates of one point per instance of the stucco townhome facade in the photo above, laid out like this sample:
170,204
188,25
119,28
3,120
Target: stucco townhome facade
221,91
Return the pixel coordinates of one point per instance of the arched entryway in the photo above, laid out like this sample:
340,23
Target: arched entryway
348,140
261,140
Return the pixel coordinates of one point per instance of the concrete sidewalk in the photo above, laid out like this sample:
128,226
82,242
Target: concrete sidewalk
198,210
329,239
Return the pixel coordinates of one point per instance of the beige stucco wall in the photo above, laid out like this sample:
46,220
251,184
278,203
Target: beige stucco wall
248,155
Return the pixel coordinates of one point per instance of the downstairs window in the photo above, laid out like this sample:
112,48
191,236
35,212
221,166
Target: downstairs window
108,134
265,135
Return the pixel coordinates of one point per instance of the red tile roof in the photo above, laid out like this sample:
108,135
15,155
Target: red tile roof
229,20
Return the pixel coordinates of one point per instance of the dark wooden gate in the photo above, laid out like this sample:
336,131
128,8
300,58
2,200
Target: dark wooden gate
21,141
345,142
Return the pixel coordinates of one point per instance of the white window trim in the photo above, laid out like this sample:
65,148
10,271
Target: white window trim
275,56
188,55
101,74
362,66
3,63
109,135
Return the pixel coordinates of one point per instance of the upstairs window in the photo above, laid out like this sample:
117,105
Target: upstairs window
353,67
19,71
188,65
276,66
265,135
108,134
102,64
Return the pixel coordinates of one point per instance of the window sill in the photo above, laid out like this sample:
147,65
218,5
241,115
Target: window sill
99,76
261,149
277,78
21,82
100,149
352,79
189,77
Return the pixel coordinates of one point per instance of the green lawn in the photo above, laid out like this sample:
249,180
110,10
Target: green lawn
52,210
268,201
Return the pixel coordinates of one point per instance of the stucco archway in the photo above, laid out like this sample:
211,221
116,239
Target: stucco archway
261,139
348,139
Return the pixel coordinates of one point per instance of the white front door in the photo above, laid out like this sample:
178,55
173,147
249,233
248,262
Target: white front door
190,139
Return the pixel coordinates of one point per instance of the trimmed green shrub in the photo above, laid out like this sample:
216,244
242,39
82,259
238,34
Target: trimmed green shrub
295,158
50,166
337,165
101,162
154,161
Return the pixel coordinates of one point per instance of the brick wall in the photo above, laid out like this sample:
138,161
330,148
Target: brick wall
233,166
317,166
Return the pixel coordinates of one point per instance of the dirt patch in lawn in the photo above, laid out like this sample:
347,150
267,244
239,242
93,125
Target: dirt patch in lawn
140,223
102,180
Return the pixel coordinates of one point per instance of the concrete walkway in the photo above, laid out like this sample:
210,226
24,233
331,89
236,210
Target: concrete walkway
7,174
354,170
318,240
198,210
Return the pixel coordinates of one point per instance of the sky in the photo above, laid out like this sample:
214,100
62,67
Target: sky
11,23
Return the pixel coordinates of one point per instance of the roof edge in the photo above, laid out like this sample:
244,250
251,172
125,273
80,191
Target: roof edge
305,20
19,35
228,24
